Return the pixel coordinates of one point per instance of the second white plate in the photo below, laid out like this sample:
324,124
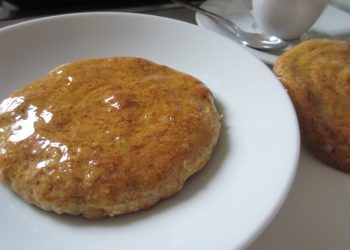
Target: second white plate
333,23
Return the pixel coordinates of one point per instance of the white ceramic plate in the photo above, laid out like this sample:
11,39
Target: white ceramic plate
333,24
223,207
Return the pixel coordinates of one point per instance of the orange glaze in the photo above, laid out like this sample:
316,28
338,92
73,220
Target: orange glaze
99,136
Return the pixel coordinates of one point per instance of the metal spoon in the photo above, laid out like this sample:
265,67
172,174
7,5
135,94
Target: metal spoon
253,40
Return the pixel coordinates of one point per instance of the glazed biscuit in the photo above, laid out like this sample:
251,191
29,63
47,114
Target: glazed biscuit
103,137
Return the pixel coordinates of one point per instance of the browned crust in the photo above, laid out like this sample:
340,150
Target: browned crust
125,133
316,74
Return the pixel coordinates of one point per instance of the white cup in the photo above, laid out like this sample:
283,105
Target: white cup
287,19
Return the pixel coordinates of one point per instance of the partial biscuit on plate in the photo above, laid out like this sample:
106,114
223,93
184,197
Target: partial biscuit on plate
316,74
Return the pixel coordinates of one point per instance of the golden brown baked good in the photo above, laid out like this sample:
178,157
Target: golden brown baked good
317,76
105,136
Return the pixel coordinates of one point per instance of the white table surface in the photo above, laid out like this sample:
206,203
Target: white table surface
316,213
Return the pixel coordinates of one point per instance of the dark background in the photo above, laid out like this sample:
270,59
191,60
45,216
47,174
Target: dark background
12,9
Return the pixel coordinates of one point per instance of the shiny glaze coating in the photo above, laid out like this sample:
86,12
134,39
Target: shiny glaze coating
105,136
317,76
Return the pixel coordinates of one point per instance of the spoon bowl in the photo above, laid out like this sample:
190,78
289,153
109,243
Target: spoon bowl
253,40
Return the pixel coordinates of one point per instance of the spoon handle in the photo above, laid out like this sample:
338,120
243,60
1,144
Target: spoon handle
253,40
205,12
